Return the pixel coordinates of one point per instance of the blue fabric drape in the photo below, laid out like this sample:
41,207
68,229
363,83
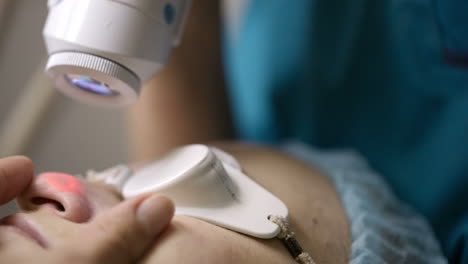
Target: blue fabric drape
369,75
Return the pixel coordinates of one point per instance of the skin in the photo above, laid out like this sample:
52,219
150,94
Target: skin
51,234
187,101
317,216
15,175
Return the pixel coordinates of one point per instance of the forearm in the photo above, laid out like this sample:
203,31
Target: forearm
186,102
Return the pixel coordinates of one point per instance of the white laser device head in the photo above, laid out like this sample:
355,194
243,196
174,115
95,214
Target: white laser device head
102,51
206,183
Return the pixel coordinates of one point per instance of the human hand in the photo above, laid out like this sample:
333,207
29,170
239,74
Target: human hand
120,234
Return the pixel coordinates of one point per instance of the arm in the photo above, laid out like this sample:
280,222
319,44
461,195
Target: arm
316,215
186,102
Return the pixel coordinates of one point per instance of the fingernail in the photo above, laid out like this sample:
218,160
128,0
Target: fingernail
155,213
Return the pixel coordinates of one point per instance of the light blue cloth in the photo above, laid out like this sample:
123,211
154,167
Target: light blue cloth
384,230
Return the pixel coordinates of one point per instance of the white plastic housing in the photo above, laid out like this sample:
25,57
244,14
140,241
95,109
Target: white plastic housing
121,43
209,184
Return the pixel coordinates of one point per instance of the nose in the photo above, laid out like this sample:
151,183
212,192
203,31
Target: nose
64,194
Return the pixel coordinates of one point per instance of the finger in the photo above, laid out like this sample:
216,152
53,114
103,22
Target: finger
123,234
15,175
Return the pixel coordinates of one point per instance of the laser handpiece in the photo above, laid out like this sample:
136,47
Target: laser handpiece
102,51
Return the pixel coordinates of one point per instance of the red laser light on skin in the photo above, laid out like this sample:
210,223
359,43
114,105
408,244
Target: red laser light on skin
64,182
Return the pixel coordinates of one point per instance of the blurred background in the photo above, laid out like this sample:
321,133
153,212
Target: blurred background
58,134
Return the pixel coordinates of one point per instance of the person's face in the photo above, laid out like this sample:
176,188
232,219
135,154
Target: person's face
56,206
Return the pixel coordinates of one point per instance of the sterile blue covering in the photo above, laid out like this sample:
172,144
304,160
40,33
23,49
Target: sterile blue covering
370,75
453,22
384,230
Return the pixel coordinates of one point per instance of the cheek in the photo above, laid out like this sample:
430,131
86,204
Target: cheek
201,243
102,199
54,229
205,243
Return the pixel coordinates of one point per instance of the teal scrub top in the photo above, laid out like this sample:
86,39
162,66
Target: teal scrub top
386,78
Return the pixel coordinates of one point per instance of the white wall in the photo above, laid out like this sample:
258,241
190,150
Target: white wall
72,137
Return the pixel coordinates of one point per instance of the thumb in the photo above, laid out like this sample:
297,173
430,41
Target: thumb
122,234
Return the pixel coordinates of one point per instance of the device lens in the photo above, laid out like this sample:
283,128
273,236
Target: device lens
90,85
